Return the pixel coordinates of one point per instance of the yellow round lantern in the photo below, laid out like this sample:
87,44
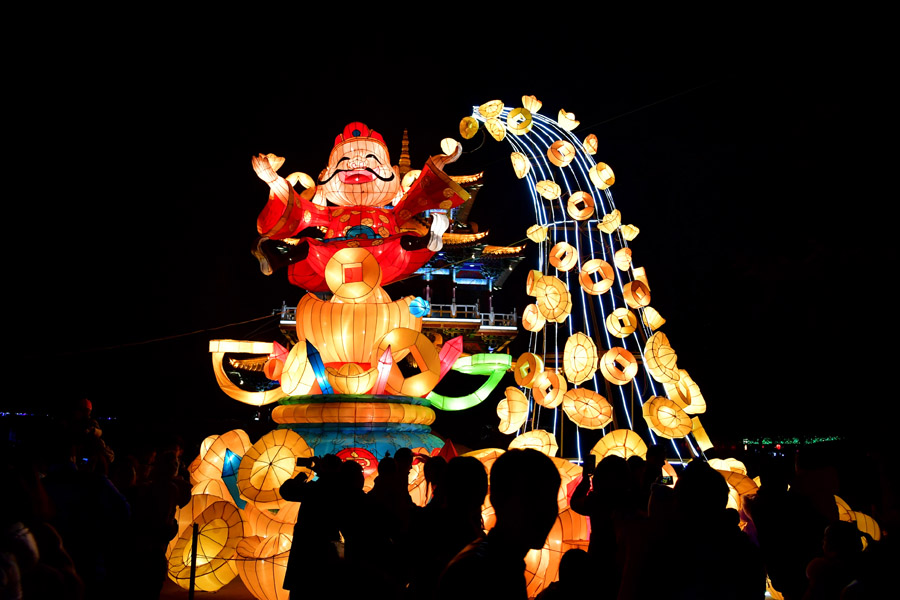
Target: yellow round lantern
561,153
538,439
532,103
622,259
537,233
610,221
636,294
580,206
491,109
579,358
602,176
521,164
532,319
495,128
660,359
586,408
352,274
666,418
512,410
567,120
548,388
621,322
563,256
527,368
556,303
652,318
468,127
548,189
618,366
590,144
519,121
601,267
621,442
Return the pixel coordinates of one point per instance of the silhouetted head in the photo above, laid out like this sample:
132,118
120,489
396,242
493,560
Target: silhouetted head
465,483
573,564
701,490
404,460
351,475
524,486
842,539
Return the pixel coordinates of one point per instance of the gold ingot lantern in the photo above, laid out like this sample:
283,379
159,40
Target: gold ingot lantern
610,221
537,233
495,128
586,408
660,359
302,178
621,322
532,319
512,410
563,256
268,464
636,294
352,274
629,232
602,176
538,439
652,318
521,164
618,366
603,269
548,388
403,341
351,378
468,127
579,358
561,153
548,189
531,103
519,121
590,144
409,179
686,393
621,442
567,120
491,109
580,206
640,274
622,258
556,303
527,368
666,418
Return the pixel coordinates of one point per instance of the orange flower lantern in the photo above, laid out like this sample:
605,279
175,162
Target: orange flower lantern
618,366
620,442
548,388
512,410
532,319
268,464
666,418
602,176
579,358
590,144
556,303
660,359
610,221
561,153
621,322
587,408
622,259
519,121
563,256
220,530
580,206
537,439
527,368
636,294
605,271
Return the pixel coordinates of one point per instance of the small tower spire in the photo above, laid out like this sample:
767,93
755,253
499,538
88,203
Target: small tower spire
404,155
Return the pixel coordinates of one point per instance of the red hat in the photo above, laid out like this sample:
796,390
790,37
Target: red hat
358,130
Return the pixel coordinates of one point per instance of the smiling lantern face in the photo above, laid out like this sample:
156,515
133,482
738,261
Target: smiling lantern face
359,173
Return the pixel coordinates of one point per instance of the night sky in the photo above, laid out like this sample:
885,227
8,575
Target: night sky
745,163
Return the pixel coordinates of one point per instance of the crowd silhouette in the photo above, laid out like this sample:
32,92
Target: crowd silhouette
82,521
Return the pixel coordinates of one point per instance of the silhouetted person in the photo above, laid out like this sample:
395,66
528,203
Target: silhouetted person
830,574
523,489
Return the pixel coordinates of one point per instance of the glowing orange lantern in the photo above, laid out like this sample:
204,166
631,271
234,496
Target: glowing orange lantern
512,410
468,127
268,464
640,274
587,408
556,303
636,294
533,285
401,341
590,144
686,393
610,221
521,164
660,359
602,176
652,318
302,178
352,274
622,259
579,358
537,233
561,153
519,121
629,232
567,120
449,146
621,322
351,378
604,269
495,128
531,103
538,439
549,388
700,435
532,319
527,367
221,529
621,442
866,524
210,466
563,256
548,189
666,418
262,563
618,366
491,109
580,206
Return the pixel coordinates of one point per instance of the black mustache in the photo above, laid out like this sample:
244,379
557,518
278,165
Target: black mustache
369,169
